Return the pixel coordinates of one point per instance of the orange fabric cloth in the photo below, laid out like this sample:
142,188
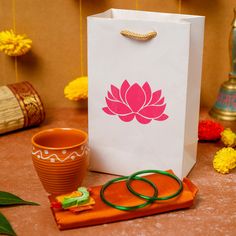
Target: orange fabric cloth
118,194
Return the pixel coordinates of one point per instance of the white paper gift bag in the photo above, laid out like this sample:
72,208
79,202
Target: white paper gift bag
144,73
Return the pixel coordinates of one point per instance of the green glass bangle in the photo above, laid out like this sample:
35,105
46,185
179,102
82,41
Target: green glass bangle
154,198
127,208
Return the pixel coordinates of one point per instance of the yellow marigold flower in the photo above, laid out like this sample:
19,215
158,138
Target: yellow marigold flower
228,137
225,160
77,89
14,44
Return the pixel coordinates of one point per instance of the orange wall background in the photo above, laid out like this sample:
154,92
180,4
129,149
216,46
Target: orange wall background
55,56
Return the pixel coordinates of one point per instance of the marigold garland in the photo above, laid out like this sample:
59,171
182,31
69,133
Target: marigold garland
14,44
225,160
228,137
77,89
209,130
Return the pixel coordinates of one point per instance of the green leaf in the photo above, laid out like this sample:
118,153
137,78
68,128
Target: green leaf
7,199
5,227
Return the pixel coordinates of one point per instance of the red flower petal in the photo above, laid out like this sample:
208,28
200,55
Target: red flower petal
148,92
108,111
161,101
124,87
109,95
162,117
135,97
118,107
115,92
127,118
142,120
155,97
152,111
209,130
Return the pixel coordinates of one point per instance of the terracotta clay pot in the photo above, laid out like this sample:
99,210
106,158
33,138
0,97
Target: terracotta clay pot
60,158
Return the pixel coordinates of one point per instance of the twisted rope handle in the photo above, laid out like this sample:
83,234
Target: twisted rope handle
137,36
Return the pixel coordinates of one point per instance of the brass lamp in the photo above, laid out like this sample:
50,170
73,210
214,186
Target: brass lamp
225,106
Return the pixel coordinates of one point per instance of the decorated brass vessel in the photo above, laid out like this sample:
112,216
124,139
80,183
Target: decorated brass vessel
225,106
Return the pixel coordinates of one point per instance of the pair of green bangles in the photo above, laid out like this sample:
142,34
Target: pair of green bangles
149,199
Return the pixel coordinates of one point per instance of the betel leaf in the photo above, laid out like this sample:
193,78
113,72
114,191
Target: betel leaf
5,227
8,199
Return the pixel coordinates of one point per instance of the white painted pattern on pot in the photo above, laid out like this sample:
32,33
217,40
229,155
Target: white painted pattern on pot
54,157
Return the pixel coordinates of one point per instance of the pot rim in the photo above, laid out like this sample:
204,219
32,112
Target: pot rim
59,148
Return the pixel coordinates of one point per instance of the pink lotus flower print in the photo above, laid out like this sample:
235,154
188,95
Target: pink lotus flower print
135,101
